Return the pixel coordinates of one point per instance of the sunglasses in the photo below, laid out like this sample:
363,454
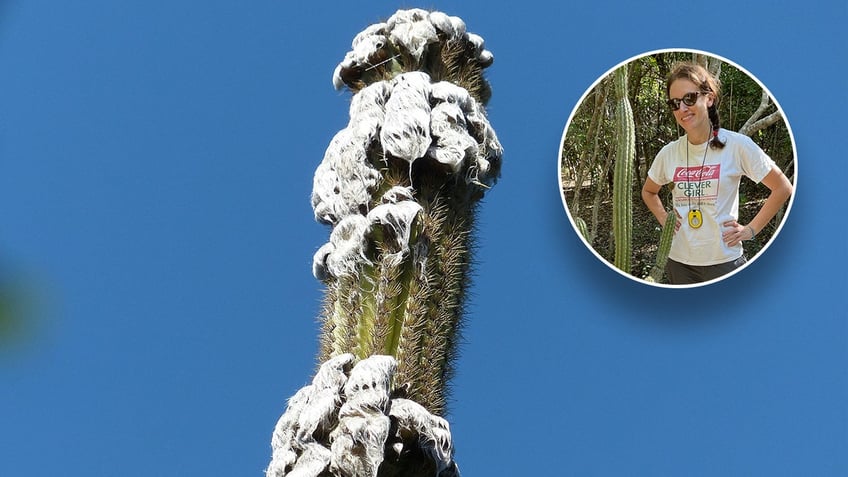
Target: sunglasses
689,99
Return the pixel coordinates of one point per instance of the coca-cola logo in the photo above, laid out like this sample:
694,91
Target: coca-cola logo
697,173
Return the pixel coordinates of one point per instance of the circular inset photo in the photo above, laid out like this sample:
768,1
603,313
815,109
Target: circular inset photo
677,168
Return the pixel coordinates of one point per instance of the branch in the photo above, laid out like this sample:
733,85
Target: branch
754,123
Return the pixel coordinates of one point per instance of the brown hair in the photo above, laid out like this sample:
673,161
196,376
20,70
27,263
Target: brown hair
706,83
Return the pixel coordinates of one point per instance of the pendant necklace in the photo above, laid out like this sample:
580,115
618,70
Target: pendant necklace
696,219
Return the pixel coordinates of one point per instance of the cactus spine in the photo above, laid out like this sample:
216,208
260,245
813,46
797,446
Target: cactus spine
625,156
408,308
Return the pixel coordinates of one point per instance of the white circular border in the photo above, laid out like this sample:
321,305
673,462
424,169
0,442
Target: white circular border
595,84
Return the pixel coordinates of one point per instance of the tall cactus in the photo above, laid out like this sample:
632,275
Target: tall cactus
625,156
399,187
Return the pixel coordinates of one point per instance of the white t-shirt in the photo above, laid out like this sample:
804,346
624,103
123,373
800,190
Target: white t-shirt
713,189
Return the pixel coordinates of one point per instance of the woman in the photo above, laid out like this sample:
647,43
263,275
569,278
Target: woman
706,166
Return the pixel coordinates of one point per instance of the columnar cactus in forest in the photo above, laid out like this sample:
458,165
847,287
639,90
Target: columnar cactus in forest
664,247
625,155
399,187
582,228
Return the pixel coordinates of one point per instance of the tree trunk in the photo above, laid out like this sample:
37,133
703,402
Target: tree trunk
754,123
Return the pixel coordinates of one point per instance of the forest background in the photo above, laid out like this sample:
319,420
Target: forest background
588,154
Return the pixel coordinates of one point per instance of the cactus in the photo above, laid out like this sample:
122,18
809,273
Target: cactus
625,155
582,228
663,248
399,187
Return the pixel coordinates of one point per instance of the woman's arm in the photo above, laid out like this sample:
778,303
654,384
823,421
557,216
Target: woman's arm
781,189
650,195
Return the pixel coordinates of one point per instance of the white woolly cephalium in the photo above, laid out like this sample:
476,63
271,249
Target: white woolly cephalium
396,222
411,32
430,433
406,129
295,449
454,131
452,27
368,42
349,239
413,120
397,194
489,152
359,438
368,110
341,423
452,144
345,178
345,250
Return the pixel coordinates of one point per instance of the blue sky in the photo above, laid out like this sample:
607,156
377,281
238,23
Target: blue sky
156,161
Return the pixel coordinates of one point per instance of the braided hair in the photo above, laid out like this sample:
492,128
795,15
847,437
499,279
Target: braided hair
706,83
